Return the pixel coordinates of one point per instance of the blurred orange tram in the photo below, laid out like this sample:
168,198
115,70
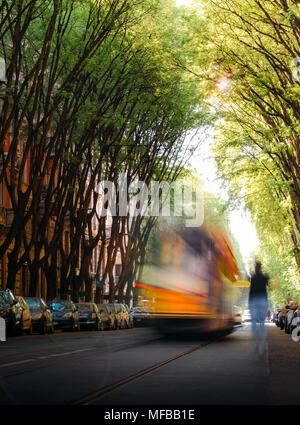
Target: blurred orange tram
188,281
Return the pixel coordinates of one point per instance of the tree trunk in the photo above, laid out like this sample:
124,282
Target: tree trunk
12,270
34,279
51,276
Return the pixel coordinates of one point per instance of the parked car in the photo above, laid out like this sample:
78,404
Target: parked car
89,316
281,319
275,316
295,321
107,316
11,312
26,316
42,318
121,316
130,317
289,317
237,315
246,316
282,316
65,315
112,310
140,316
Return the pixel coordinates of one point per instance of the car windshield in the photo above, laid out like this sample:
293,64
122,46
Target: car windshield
111,307
33,303
61,306
101,308
85,307
4,298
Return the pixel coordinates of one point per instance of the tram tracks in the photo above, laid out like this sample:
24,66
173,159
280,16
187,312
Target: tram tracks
105,390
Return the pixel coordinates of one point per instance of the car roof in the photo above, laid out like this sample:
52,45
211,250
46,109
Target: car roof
61,301
32,298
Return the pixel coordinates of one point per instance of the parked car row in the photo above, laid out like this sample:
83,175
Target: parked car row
32,314
287,318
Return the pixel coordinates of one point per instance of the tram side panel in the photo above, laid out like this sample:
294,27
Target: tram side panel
186,287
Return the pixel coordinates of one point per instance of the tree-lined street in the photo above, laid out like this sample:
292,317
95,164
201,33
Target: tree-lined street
110,113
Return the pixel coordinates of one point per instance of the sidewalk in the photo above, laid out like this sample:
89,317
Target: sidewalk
284,365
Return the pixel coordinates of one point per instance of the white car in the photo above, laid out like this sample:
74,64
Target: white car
246,316
237,314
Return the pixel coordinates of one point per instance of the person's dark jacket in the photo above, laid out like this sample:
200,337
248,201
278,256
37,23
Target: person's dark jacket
258,286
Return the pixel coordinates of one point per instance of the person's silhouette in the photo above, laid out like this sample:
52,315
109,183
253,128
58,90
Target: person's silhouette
258,303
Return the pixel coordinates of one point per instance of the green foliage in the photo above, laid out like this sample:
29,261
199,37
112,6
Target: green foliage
249,49
97,88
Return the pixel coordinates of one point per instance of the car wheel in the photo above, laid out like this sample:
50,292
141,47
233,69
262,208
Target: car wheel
19,329
43,330
12,330
12,326
29,331
97,326
296,334
51,329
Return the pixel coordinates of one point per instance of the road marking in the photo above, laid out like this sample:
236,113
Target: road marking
14,363
71,352
46,357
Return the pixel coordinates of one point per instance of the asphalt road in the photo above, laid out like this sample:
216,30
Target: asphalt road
140,367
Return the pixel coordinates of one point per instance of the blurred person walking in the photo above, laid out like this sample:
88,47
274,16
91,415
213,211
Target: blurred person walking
258,303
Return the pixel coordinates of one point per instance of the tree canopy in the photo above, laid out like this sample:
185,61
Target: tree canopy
251,47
